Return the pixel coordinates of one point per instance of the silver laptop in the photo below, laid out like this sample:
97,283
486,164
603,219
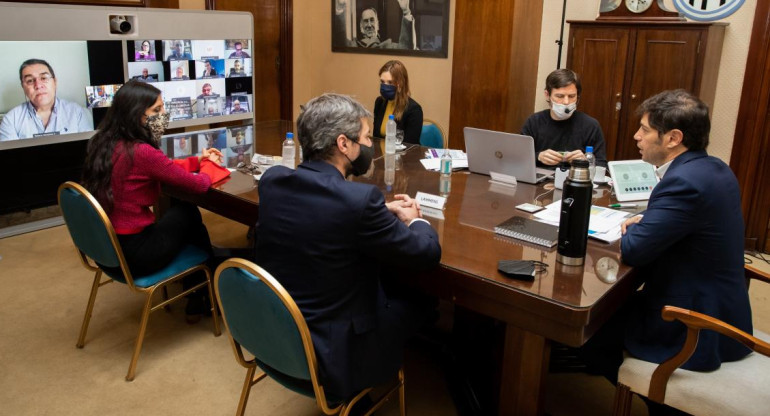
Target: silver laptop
506,153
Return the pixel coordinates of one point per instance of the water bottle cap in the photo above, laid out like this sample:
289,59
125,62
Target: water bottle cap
390,117
290,135
589,149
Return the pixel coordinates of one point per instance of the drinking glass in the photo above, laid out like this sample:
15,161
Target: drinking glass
399,139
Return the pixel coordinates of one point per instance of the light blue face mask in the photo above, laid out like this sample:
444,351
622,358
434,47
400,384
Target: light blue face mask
388,92
563,111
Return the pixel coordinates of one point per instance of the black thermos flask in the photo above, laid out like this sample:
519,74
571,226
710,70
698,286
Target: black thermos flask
575,213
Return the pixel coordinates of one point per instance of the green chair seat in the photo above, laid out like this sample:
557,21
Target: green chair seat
190,256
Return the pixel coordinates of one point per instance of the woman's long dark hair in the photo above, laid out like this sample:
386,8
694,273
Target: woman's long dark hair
123,123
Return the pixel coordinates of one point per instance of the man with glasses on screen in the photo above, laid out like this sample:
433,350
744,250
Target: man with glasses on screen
43,113
239,52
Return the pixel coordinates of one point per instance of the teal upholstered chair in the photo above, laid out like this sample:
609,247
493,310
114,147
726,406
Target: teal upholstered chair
100,252
736,388
432,135
262,318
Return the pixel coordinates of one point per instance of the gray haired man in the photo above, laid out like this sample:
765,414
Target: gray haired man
330,242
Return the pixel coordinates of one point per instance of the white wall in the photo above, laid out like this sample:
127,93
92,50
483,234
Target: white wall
731,70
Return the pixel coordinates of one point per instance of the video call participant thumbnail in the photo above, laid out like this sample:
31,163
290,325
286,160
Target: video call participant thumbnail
208,70
146,77
239,52
178,52
144,52
179,73
43,112
206,91
237,70
237,107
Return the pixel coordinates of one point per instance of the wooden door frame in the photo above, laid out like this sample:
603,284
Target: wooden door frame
286,64
750,158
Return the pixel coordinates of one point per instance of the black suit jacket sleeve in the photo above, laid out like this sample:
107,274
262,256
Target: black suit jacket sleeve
386,238
410,123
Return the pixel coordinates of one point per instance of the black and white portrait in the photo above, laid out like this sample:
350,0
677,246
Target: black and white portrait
392,27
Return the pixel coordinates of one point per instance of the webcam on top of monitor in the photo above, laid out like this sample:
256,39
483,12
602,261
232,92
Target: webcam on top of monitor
121,25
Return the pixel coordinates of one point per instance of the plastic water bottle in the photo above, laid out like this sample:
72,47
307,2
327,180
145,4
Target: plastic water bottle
445,166
591,160
390,136
444,186
288,154
390,170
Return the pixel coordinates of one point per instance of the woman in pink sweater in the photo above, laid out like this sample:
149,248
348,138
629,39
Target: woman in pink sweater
124,170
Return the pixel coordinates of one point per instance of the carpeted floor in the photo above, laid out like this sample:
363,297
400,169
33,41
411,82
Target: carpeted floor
183,369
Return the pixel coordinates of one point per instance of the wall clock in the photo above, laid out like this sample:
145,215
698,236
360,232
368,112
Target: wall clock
639,10
638,6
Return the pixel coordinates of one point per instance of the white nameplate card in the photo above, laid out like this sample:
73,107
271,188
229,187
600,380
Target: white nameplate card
432,212
502,179
428,200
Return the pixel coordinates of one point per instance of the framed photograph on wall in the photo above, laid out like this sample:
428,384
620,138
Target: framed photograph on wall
391,27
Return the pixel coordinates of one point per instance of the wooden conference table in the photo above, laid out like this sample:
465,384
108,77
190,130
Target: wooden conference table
567,304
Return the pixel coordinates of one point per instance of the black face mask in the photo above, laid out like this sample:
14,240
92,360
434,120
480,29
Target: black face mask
363,161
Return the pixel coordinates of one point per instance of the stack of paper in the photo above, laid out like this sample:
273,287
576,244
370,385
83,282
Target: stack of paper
432,159
604,223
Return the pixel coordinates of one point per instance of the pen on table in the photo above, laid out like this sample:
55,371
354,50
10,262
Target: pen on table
623,205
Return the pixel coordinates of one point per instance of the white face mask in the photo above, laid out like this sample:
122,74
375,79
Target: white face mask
562,111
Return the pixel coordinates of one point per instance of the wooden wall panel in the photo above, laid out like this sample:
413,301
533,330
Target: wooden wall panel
495,56
750,159
272,68
602,95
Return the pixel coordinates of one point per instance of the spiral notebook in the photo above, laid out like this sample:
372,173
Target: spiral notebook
529,230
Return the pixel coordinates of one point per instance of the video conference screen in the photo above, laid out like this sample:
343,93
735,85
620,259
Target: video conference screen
67,86
235,143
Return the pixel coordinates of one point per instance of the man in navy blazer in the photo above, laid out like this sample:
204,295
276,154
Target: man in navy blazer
688,244
333,242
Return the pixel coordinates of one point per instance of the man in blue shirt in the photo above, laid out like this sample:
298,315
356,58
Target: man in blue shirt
178,53
43,113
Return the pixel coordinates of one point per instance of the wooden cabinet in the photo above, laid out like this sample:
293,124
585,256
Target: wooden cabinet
623,63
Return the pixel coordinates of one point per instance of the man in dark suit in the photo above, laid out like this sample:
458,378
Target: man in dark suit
688,244
334,243
208,70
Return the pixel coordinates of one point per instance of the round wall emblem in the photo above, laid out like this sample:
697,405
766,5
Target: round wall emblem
707,10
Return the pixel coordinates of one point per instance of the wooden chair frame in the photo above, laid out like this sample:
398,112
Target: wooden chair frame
695,322
148,292
253,377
